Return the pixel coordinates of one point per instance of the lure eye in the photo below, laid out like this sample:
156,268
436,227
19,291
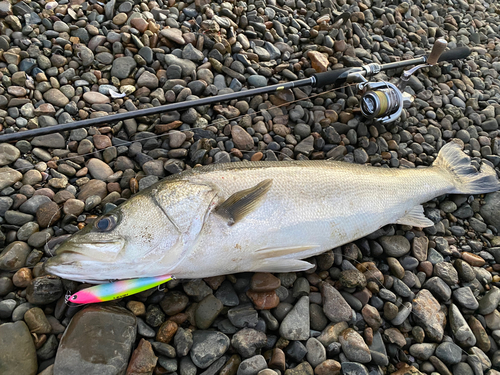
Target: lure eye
74,297
105,224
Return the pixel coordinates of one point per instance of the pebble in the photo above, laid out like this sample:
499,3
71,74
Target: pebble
208,346
17,350
116,323
296,324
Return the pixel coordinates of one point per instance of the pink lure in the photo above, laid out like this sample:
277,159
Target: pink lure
117,289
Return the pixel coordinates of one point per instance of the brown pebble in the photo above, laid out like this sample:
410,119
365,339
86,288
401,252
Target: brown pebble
278,360
264,282
166,332
264,300
473,259
47,214
143,360
134,185
426,267
137,308
22,277
37,321
101,141
215,281
328,367
231,365
368,335
257,156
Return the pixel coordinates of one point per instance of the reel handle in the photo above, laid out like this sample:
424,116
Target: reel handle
437,49
455,54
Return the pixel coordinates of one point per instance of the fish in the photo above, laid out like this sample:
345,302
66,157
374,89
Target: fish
258,216
116,289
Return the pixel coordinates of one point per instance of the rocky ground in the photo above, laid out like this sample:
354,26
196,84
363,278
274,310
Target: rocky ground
402,300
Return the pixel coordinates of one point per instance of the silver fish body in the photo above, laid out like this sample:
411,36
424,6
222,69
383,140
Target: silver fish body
258,216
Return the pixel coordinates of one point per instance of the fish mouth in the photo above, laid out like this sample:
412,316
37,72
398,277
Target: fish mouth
95,262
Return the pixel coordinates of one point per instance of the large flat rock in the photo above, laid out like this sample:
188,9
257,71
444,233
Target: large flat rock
17,350
98,340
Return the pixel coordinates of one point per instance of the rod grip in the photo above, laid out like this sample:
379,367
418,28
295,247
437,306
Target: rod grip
455,54
331,77
437,50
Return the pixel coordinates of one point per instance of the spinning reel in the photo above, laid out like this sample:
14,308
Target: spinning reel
383,101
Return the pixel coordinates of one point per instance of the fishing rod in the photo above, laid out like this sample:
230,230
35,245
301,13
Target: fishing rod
381,101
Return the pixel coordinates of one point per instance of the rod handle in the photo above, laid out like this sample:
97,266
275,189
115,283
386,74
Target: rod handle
455,54
331,77
437,49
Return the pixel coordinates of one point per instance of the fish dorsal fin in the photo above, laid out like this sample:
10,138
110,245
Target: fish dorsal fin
415,217
243,202
185,204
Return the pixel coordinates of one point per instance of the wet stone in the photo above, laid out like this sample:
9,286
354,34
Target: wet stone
296,324
81,350
17,350
207,347
248,341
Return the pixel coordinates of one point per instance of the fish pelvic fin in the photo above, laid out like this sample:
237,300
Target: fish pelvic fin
465,178
243,202
282,265
415,217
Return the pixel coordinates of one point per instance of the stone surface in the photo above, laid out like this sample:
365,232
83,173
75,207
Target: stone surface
83,349
17,350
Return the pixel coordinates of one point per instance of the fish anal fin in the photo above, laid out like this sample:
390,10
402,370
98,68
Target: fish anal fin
282,265
282,252
415,217
243,202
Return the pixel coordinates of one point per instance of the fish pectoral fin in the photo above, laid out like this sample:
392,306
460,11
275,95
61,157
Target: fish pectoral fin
282,265
243,202
415,217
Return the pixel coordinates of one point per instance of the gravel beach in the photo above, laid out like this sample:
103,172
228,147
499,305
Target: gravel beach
400,301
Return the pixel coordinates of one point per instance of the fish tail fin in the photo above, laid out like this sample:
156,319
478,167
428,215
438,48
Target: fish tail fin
465,178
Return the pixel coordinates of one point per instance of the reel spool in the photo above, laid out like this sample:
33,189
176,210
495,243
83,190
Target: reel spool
383,101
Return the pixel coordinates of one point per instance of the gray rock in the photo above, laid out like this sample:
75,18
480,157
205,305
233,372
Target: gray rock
54,140
489,302
5,204
296,324
188,67
9,177
305,146
17,350
14,256
449,353
8,154
395,246
423,351
465,298
352,368
122,67
461,330
247,342
183,341
7,306
335,306
208,346
252,366
32,204
257,81
99,339
316,352
354,347
489,211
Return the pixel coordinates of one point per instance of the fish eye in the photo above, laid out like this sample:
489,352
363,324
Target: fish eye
105,224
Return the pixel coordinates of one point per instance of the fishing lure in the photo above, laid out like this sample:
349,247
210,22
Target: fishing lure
116,289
